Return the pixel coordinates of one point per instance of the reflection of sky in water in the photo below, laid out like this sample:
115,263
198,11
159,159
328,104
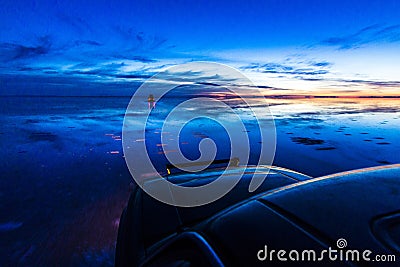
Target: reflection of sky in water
63,153
75,126
352,133
199,120
207,123
315,136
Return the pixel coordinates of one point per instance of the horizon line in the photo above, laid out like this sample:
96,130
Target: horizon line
265,96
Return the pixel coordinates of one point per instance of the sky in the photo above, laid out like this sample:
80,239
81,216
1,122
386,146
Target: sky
349,48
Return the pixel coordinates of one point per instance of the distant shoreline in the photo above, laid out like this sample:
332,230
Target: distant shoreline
228,96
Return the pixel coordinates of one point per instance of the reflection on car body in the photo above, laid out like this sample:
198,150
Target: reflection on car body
289,210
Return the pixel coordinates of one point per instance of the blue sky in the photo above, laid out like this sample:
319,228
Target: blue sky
102,47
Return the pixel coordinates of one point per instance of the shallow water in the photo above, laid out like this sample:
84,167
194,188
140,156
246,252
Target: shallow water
62,190
64,181
320,137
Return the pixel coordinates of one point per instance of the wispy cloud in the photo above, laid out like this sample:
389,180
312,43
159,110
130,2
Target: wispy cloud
309,68
76,23
15,51
87,42
83,57
371,34
376,84
142,59
138,40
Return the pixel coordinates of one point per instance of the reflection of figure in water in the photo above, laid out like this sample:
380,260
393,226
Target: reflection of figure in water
152,102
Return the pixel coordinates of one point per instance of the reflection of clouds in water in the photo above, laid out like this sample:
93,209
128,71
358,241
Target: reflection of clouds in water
205,109
321,107
342,125
307,141
43,136
299,120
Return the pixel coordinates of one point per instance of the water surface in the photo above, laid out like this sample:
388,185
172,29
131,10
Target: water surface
64,180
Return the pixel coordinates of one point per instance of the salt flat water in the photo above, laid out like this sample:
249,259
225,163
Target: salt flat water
64,181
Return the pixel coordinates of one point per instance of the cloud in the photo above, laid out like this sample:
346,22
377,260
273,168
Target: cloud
371,34
321,64
354,82
78,24
111,70
142,59
374,83
14,51
48,70
97,72
138,40
308,68
133,76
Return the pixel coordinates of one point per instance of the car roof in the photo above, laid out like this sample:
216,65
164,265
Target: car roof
275,178
172,218
343,205
207,175
360,206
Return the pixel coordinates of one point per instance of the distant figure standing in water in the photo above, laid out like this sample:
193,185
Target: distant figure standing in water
152,102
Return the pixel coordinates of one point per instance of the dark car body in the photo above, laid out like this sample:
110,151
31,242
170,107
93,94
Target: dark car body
288,211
